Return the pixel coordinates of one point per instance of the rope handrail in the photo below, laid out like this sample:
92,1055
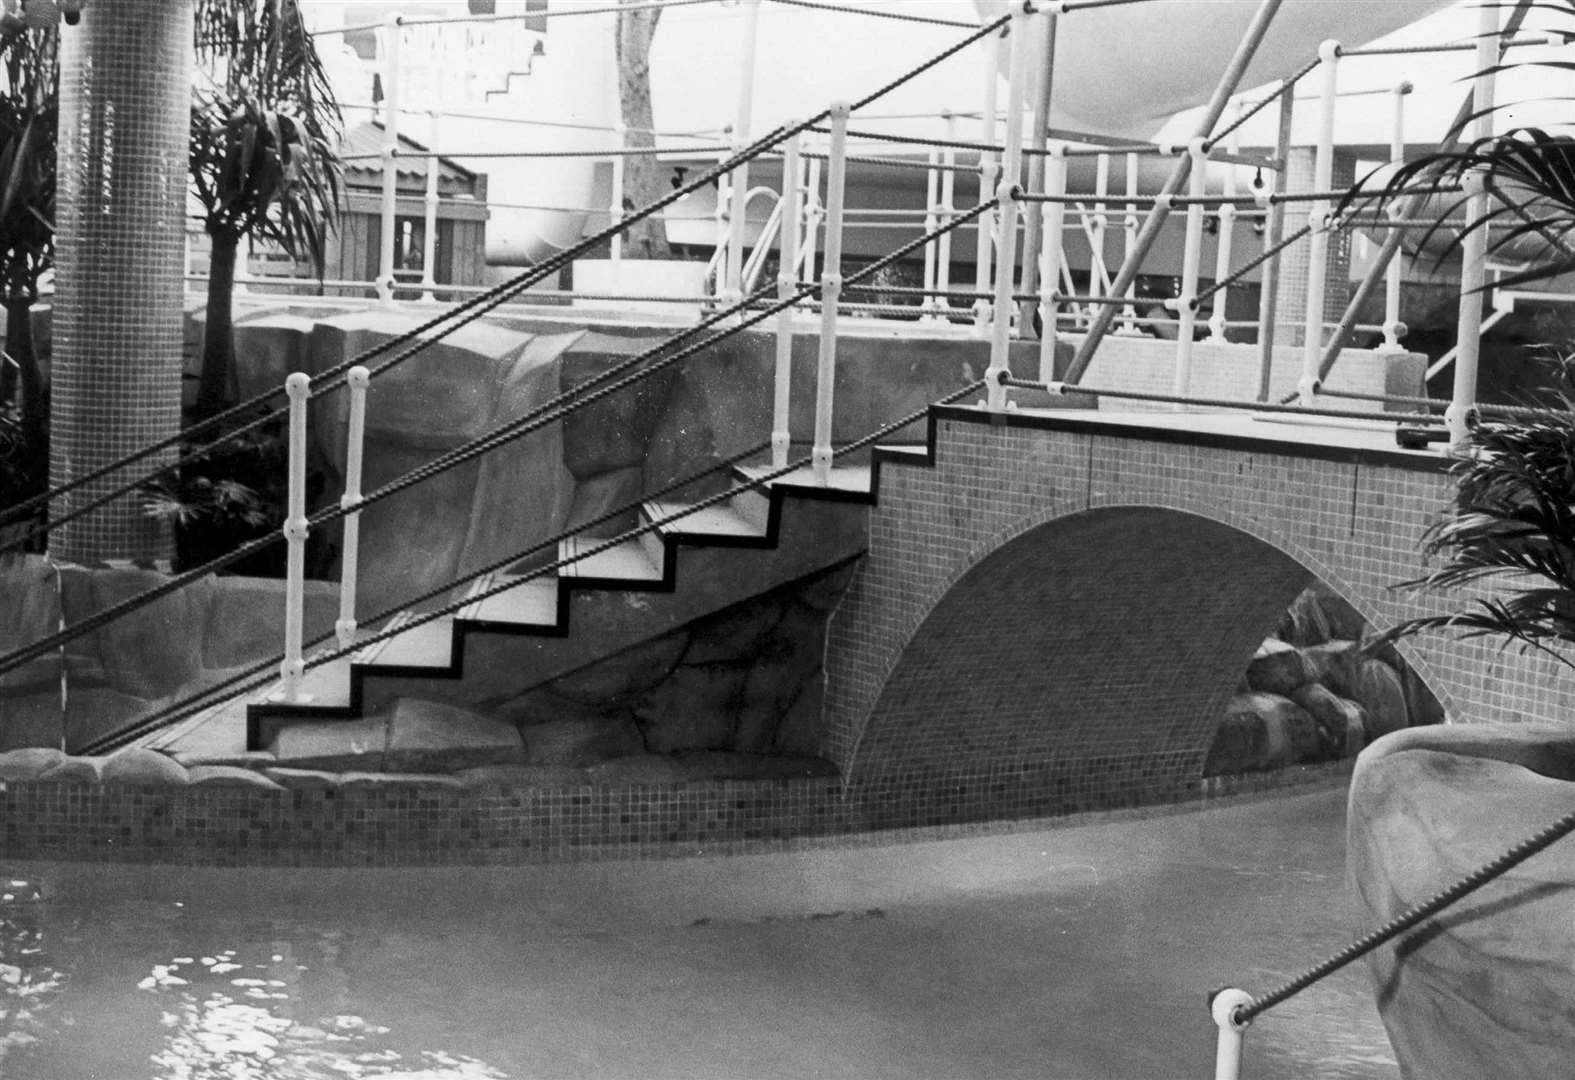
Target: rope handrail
1243,1014
1526,411
1073,389
1286,85
516,429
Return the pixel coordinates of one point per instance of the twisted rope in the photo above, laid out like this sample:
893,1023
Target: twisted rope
1285,87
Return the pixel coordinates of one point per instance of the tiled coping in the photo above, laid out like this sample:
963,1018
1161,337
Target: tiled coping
393,823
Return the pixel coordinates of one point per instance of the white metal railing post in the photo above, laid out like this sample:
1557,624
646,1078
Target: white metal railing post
724,205
1318,216
1007,192
932,193
429,238
814,214
615,202
1097,268
1227,1048
1129,227
1473,248
1225,240
1052,258
385,262
356,379
943,257
1394,329
985,222
787,285
298,388
738,215
830,294
1192,254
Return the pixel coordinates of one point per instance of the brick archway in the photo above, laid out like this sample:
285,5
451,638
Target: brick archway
1097,648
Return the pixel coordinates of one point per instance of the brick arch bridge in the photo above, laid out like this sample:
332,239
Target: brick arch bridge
1056,605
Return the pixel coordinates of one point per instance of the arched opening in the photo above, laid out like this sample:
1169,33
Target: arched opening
1086,663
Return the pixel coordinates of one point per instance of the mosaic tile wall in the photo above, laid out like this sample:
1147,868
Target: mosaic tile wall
1291,298
125,99
1353,520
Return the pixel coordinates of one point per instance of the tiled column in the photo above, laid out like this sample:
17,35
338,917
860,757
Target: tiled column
1291,305
125,101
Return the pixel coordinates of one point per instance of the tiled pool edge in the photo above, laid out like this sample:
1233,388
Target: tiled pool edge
434,826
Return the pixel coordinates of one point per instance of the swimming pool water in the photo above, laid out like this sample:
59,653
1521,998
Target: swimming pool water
1078,952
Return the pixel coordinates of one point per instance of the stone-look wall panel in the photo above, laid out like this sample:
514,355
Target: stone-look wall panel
125,99
1356,524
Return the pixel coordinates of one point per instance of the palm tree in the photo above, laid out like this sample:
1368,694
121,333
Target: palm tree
644,178
28,122
264,162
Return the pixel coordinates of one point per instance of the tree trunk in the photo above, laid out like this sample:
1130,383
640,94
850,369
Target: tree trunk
30,398
644,177
216,385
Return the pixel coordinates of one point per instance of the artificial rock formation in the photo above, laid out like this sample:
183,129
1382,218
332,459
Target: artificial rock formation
1483,989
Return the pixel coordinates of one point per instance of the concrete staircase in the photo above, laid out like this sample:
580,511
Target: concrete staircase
502,645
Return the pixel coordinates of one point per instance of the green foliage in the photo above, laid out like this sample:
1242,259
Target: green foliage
29,118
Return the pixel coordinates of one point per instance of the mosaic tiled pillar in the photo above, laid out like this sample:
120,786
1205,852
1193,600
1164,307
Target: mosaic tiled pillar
125,106
1291,304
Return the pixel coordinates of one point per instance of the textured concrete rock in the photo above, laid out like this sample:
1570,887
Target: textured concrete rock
603,493
1278,668
1335,664
724,765
231,776
1304,622
580,742
244,616
303,779
733,634
1342,725
629,673
1381,694
1260,732
523,776
426,736
336,746
352,780
29,763
696,708
76,770
1483,990
614,432
639,769
144,767
242,759
153,651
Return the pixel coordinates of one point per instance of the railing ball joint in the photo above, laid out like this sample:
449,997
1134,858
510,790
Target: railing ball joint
1165,201
1225,1006
830,288
1329,51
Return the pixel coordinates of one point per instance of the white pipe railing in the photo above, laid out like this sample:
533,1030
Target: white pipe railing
1318,217
1394,329
1052,260
738,215
1192,252
830,293
1227,1047
429,238
385,262
356,379
814,216
790,208
932,195
948,211
298,388
1017,79
985,224
1226,238
615,208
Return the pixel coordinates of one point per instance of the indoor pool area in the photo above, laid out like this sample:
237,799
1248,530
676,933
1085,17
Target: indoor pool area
1078,950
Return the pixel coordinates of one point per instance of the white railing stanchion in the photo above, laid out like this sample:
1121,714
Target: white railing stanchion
1097,268
388,217
615,207
430,204
1052,259
356,379
1227,1049
948,212
299,388
787,285
1008,192
1394,329
1129,228
830,294
738,215
1225,240
985,222
1473,276
1192,254
927,303
814,214
1318,217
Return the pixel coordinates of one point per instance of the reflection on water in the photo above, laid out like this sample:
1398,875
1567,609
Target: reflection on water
1071,954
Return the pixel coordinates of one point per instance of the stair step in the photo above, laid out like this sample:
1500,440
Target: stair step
627,561
324,686
754,506
849,478
721,520
534,603
429,645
